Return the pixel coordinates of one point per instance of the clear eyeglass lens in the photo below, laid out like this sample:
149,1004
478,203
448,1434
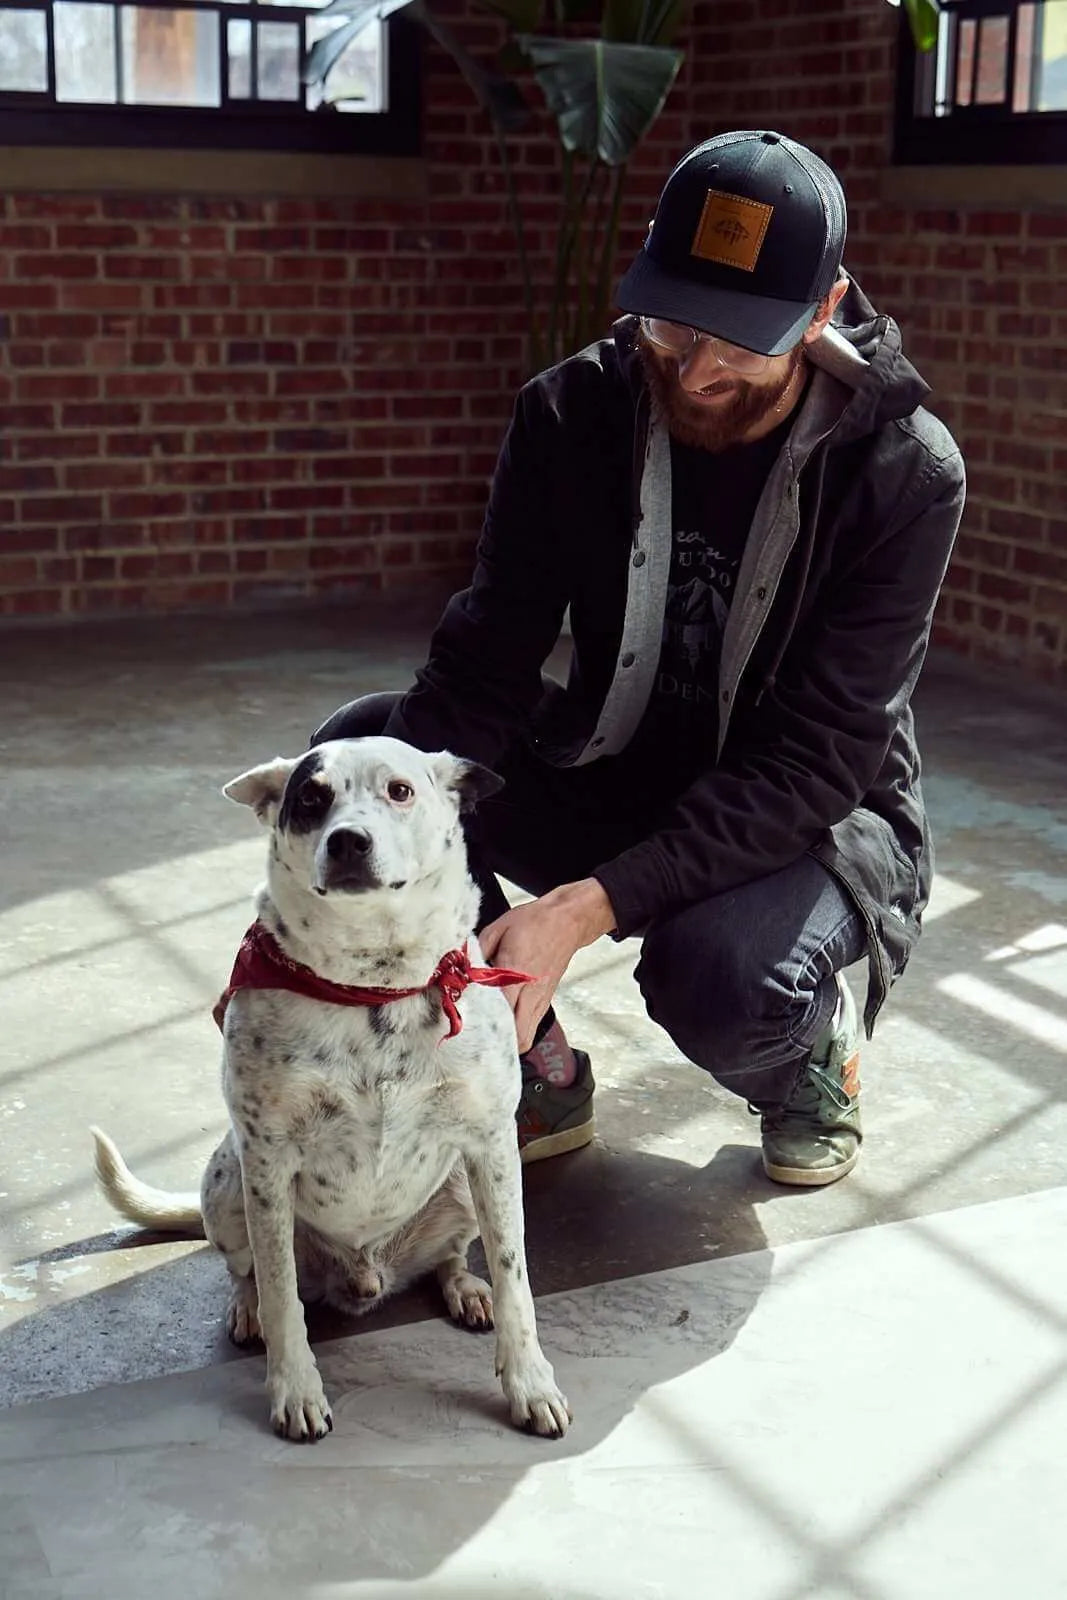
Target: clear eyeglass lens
679,339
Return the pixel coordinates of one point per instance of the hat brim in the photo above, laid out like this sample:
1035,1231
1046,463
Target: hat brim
769,327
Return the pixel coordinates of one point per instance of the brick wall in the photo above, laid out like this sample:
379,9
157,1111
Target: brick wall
212,401
979,294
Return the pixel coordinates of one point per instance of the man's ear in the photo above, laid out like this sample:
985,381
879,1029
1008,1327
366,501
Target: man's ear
824,316
469,781
262,787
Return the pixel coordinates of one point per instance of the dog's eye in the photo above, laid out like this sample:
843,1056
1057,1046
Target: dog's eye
312,799
400,792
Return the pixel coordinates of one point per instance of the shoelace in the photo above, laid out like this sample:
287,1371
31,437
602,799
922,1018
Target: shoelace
804,1101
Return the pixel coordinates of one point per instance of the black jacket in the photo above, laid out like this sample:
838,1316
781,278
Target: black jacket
827,630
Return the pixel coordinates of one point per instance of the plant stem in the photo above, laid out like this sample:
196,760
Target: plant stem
608,250
515,213
577,239
579,332
564,241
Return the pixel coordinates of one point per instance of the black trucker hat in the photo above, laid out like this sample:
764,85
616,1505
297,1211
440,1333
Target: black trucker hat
746,242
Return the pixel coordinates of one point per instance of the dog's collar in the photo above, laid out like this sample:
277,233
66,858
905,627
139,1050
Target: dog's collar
262,964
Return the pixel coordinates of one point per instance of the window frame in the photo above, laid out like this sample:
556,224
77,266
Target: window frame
973,135
30,120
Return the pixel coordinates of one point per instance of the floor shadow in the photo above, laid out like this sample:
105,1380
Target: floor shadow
652,1212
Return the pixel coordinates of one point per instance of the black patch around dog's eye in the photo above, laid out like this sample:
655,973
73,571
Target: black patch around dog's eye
307,798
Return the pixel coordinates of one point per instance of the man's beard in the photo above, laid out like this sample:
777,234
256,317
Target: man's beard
693,424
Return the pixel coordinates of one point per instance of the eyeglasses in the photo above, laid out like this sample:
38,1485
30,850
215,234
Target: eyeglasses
680,340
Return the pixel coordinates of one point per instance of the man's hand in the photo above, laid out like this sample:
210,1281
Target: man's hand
541,938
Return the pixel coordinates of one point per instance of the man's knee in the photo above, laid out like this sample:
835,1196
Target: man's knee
359,719
700,986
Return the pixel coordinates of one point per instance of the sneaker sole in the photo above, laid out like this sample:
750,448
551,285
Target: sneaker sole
810,1177
558,1144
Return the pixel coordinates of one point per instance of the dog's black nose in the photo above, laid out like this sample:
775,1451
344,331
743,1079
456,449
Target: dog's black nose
347,845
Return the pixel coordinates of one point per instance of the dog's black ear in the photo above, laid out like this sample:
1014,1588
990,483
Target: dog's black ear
262,787
469,781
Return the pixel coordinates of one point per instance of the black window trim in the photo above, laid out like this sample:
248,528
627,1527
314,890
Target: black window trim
972,135
37,120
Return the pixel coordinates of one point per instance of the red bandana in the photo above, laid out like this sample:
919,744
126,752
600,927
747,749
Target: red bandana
262,964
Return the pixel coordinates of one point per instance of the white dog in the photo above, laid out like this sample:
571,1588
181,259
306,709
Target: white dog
363,1092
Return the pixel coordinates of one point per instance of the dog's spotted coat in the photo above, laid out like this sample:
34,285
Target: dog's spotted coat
365,1148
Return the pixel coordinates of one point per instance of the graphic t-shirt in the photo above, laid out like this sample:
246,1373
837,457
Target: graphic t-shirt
713,501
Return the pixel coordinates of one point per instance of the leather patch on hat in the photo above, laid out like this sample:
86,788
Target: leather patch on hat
731,230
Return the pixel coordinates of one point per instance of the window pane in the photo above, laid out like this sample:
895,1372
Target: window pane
1052,66
965,62
23,51
1024,58
990,89
357,80
278,48
85,52
170,58
239,46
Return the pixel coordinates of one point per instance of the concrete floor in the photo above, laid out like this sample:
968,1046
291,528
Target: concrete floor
126,886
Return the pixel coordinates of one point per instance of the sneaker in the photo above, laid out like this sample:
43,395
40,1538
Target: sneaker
814,1138
553,1120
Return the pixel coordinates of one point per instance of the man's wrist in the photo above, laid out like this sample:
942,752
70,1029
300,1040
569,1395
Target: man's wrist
587,902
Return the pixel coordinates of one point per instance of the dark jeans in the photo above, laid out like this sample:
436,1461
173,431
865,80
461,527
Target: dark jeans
743,981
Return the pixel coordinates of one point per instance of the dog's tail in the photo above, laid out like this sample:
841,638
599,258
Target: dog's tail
148,1207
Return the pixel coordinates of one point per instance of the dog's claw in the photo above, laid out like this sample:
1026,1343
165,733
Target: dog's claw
305,1419
470,1301
537,1406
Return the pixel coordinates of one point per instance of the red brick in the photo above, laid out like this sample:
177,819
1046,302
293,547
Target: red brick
17,571
139,507
54,264
94,235
240,383
997,224
103,475
102,296
101,414
61,508
24,236
145,442
1042,564
1047,225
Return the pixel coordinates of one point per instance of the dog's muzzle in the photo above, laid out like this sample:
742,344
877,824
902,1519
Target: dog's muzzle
346,865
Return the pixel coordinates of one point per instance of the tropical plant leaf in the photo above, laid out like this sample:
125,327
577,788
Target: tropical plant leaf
922,15
665,18
357,14
605,96
325,53
497,94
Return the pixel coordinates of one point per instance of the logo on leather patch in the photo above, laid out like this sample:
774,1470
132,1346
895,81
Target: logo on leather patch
731,230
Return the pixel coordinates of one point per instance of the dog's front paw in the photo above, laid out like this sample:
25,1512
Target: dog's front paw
537,1404
469,1300
242,1318
299,1408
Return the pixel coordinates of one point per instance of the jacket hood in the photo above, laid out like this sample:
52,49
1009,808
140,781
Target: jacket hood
861,349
